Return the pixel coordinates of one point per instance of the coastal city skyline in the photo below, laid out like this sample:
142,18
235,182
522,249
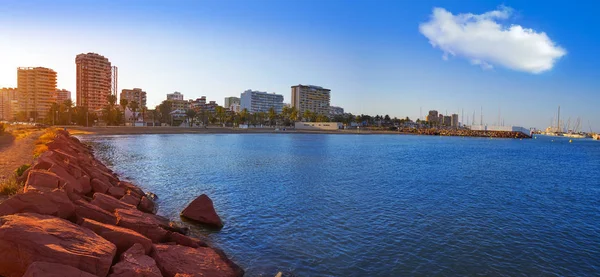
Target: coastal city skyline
522,93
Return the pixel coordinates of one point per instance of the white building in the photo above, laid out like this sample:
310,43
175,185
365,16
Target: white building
500,128
175,96
231,101
319,126
259,101
236,108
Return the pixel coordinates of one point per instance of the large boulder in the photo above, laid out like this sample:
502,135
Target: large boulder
71,184
109,203
131,198
185,240
202,210
148,225
135,263
84,209
55,203
116,192
131,187
186,261
122,238
42,180
27,238
147,205
44,269
100,186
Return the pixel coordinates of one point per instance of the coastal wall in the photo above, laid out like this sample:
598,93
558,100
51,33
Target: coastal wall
75,217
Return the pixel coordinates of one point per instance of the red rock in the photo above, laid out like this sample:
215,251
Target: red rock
131,187
44,269
71,184
27,238
116,192
135,263
100,186
41,180
146,205
185,240
187,261
121,237
131,198
109,203
55,203
86,210
146,224
203,211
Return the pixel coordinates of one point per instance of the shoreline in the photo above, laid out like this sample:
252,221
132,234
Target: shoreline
129,130
101,225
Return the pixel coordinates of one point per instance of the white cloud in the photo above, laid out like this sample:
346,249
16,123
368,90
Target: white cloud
484,41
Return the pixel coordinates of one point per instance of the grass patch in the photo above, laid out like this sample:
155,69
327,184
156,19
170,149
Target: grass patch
40,143
10,186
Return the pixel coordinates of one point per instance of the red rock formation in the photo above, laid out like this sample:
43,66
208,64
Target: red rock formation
109,203
100,186
44,269
185,240
27,238
41,180
187,261
147,205
135,263
143,223
55,203
122,238
131,198
203,211
86,210
116,192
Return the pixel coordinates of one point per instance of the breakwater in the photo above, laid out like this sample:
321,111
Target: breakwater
464,133
75,217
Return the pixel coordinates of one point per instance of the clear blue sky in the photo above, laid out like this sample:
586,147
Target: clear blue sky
377,57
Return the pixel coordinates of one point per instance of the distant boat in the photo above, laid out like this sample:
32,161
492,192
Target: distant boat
596,136
574,135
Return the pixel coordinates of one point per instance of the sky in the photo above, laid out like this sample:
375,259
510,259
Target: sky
515,60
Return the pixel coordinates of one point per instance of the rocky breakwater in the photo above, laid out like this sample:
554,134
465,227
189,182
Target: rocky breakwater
76,218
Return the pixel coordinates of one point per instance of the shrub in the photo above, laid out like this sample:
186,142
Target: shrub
10,186
21,169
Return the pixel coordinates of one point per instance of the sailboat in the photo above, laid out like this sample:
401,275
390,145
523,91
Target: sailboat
575,132
552,130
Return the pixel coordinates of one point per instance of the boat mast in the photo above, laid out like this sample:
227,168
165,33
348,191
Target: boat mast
558,121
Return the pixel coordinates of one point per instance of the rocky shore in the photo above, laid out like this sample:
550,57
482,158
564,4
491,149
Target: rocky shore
76,218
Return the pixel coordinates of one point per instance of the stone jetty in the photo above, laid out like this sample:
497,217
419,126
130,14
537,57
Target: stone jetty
75,217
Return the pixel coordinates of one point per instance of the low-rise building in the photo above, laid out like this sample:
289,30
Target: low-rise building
231,101
62,95
136,94
319,126
175,96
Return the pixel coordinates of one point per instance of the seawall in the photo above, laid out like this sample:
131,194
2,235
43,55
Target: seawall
75,217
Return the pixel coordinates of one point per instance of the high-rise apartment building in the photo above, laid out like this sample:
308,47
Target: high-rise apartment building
259,101
94,81
8,103
175,96
313,98
231,101
432,117
454,120
36,91
62,95
136,94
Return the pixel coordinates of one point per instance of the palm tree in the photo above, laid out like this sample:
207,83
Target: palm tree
134,106
307,115
272,116
190,115
69,106
123,104
220,114
294,114
244,116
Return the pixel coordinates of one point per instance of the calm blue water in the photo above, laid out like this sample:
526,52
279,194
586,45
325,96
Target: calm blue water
380,205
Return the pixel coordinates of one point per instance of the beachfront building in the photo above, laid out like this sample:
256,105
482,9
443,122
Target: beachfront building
175,96
432,117
135,94
313,98
331,126
231,101
36,91
447,120
335,111
62,95
454,121
259,101
94,81
8,103
236,108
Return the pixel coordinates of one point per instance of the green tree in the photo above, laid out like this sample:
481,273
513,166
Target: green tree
123,103
134,106
190,114
307,115
244,116
272,116
220,114
294,114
